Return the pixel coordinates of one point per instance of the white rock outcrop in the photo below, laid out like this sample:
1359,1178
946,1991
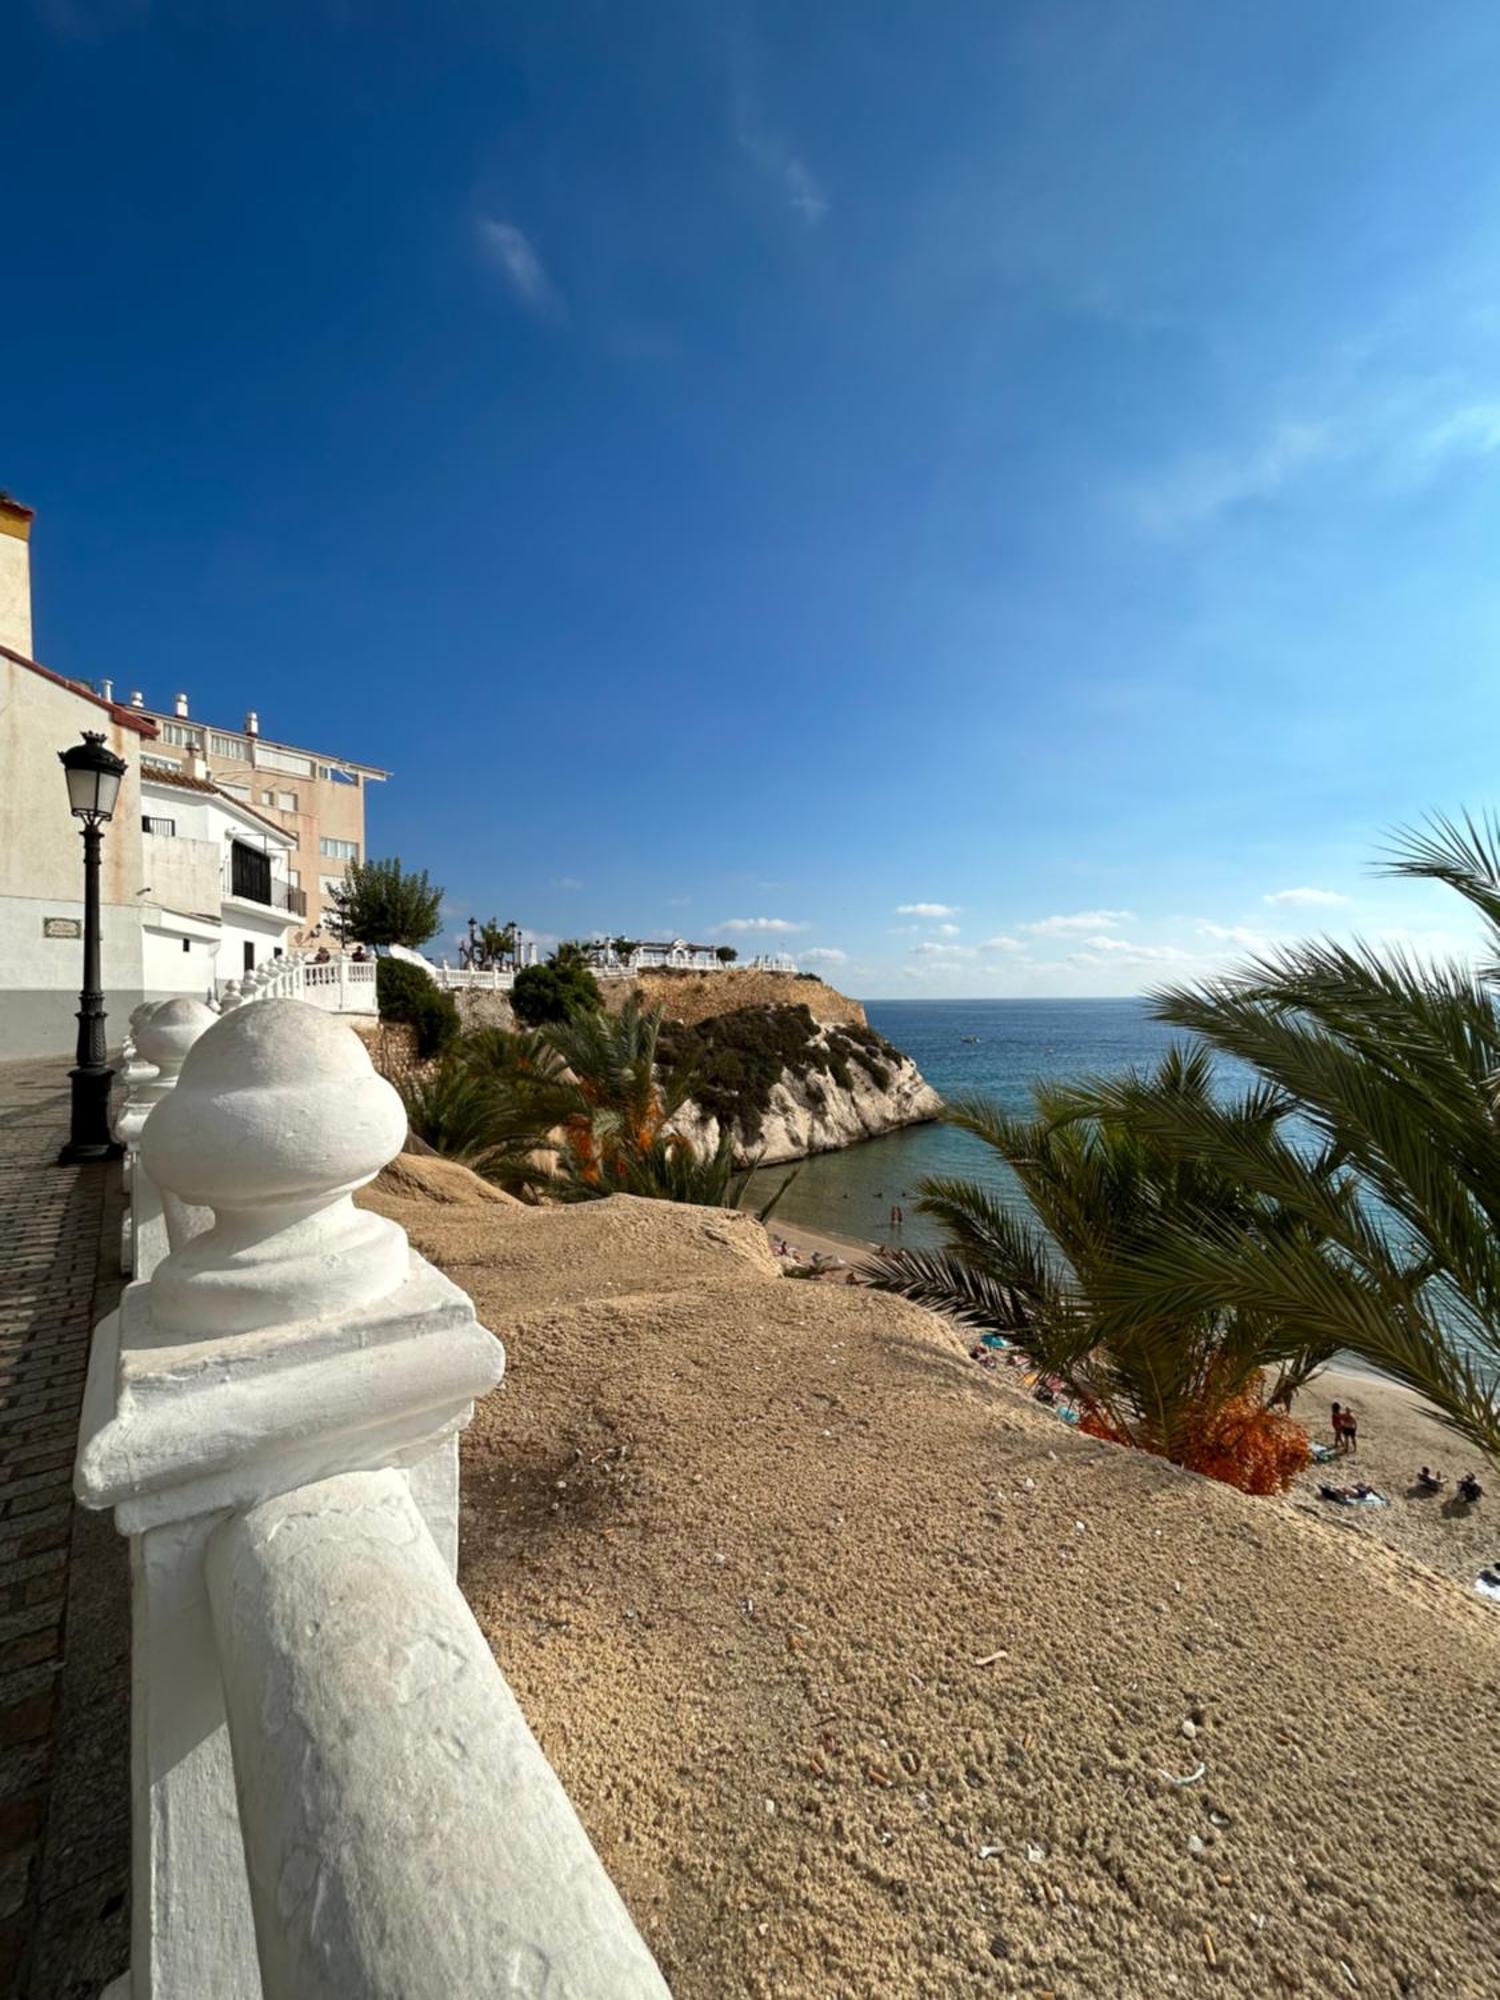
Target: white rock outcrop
814,1113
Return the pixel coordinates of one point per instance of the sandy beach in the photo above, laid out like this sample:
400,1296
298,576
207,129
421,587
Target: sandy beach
867,1676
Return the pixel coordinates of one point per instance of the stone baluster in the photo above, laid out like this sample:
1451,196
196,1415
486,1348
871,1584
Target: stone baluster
274,1420
165,1037
230,996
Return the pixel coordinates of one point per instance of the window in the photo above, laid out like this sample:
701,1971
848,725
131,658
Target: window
268,798
150,824
237,791
294,876
187,944
228,746
249,956
283,760
178,732
286,802
338,850
330,884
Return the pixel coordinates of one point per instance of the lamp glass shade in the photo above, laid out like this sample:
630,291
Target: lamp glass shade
93,773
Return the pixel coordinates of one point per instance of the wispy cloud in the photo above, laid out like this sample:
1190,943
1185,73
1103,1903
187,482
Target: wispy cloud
930,949
1472,432
948,930
1240,934
1121,951
1196,489
824,954
927,909
1305,898
787,171
1080,920
760,924
508,250
565,882
1003,943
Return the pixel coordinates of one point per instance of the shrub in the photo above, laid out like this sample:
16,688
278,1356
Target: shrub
404,992
559,992
732,1062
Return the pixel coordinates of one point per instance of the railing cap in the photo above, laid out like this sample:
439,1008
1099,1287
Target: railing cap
276,1103
165,1035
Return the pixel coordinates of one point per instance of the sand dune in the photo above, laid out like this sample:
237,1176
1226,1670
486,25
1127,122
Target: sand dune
868,1677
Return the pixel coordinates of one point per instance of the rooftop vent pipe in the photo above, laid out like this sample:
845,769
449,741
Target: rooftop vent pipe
252,722
180,707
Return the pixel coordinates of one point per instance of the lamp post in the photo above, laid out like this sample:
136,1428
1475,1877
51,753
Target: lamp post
93,774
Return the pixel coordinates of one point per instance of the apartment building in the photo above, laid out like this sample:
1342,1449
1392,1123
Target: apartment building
318,798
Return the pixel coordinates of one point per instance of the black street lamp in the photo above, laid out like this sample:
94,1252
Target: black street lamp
94,775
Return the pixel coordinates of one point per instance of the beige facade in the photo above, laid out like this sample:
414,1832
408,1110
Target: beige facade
15,576
318,798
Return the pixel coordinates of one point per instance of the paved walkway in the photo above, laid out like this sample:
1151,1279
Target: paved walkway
64,1609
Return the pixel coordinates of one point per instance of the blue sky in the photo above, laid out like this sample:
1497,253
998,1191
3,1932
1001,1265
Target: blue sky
990,498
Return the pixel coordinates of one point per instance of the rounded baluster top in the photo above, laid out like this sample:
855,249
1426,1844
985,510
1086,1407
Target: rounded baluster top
170,1030
276,1104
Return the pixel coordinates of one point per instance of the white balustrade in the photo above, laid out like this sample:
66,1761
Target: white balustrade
336,1796
337,985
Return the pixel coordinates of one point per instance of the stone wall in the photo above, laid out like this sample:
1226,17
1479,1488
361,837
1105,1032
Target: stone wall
696,996
393,1050
478,1009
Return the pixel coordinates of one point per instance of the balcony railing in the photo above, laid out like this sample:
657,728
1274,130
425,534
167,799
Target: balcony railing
251,879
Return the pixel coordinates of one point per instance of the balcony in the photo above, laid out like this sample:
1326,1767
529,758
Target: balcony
250,879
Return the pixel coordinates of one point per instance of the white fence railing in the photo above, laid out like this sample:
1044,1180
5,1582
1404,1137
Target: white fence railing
336,1796
337,985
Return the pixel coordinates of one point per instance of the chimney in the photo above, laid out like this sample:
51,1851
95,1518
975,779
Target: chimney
107,690
197,763
15,575
137,699
252,722
179,707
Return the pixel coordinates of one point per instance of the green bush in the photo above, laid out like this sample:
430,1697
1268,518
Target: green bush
555,992
404,992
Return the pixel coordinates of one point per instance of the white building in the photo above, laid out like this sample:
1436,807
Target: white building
216,894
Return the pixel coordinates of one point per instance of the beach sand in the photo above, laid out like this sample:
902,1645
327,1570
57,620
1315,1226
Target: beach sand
867,1677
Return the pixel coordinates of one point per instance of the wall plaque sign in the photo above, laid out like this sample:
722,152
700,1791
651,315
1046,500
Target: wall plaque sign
62,927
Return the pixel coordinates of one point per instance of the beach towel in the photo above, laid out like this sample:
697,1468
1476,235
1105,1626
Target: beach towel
1337,1499
1487,1583
1322,1453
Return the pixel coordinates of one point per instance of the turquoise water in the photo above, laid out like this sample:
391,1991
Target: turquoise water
998,1047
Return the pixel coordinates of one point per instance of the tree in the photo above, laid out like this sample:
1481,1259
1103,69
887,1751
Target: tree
1391,1065
496,942
725,954
378,903
1198,1384
407,992
553,992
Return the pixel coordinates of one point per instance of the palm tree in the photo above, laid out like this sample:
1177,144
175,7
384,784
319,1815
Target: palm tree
1101,1194
1391,1065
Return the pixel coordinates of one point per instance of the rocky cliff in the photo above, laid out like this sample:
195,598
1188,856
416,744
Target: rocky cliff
697,996
785,1085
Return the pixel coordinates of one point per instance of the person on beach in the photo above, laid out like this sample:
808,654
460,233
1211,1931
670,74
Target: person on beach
1469,1489
1430,1482
1336,1420
1351,1433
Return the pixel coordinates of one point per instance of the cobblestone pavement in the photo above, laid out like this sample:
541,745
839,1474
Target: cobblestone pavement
64,1615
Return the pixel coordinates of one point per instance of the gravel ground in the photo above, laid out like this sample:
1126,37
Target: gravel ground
868,1678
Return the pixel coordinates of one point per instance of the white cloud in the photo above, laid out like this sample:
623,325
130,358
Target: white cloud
566,882
509,251
927,909
1241,934
760,924
929,949
1003,943
1123,952
948,930
1200,487
1081,920
1305,898
824,954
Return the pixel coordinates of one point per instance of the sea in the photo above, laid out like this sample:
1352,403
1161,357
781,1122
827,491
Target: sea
1000,1048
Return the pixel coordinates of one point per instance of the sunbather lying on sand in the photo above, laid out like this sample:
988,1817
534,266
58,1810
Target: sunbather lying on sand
1430,1482
1352,1496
